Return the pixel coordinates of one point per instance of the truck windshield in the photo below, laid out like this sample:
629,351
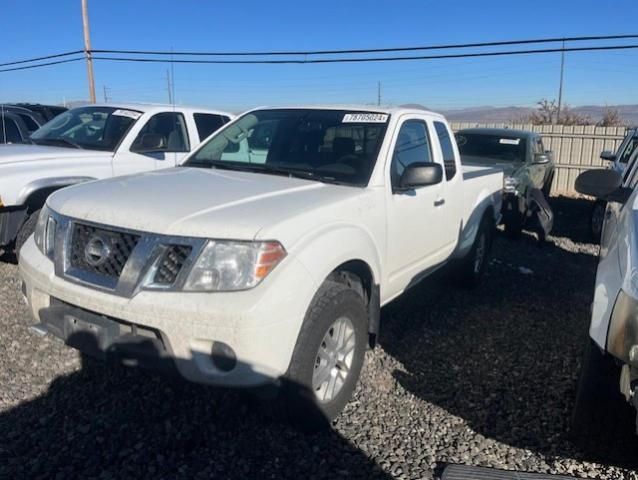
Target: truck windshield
334,146
491,148
92,128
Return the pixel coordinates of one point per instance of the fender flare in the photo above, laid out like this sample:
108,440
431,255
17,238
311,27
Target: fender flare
53,183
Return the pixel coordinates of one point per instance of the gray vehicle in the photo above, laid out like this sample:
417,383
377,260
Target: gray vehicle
528,171
619,161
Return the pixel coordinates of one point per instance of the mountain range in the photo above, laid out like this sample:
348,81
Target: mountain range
487,114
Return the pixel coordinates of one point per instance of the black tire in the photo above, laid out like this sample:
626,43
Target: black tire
333,301
26,230
596,220
472,267
601,415
513,225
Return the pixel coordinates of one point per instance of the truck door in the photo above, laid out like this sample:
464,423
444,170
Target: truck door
614,255
415,217
162,142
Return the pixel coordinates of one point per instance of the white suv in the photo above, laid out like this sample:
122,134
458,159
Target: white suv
269,253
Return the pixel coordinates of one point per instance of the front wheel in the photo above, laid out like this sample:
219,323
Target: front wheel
597,219
473,266
26,230
327,358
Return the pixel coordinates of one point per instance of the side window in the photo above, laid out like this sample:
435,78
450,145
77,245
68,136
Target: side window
9,131
166,132
449,160
412,145
538,146
207,123
29,122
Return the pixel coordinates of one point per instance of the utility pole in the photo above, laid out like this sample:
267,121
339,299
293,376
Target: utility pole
87,50
378,93
106,97
168,87
560,87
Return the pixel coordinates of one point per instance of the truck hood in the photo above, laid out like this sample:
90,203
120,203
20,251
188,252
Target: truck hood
509,168
196,202
17,153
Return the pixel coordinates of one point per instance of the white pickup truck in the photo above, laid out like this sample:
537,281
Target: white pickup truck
93,142
268,253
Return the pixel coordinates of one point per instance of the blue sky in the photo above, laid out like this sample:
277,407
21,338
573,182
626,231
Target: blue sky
43,27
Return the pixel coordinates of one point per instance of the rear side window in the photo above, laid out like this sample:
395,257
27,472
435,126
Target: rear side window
207,123
447,149
9,131
29,122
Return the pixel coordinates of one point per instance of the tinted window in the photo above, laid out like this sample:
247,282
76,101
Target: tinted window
170,127
207,123
489,148
9,131
412,145
446,147
327,145
628,150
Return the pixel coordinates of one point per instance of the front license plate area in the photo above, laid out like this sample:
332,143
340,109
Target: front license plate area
91,336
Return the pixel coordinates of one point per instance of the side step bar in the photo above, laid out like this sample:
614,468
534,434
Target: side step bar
468,472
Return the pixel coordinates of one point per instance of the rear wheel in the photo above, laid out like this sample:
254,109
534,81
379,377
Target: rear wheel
26,230
327,358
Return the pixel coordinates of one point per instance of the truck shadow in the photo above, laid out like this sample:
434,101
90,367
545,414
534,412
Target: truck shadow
117,422
506,356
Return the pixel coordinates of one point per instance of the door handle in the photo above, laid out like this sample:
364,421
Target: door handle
439,201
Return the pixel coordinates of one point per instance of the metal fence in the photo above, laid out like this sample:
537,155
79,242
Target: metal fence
576,148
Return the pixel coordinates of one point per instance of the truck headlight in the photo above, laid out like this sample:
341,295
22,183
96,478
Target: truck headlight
510,184
232,265
44,234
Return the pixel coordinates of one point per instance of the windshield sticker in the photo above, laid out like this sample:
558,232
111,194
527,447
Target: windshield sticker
510,141
127,113
365,118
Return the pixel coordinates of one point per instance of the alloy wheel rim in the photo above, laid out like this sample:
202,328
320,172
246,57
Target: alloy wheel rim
334,360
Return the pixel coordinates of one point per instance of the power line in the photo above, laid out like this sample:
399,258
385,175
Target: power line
27,67
37,59
373,50
371,59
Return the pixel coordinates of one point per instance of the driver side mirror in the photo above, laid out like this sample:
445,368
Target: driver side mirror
607,155
420,174
604,184
151,142
541,158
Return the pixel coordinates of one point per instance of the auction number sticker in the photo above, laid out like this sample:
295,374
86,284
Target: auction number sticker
127,113
365,118
510,141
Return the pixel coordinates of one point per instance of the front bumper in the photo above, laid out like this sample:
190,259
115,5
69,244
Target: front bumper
260,325
11,219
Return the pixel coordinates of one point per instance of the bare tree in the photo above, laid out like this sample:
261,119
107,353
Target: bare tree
547,113
611,118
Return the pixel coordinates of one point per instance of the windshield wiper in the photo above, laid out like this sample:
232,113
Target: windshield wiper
56,141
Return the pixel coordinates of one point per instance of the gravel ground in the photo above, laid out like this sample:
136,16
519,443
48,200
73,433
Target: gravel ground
485,377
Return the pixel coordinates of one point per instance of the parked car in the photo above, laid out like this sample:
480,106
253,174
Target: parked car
89,143
268,264
47,112
527,166
619,161
12,128
610,366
